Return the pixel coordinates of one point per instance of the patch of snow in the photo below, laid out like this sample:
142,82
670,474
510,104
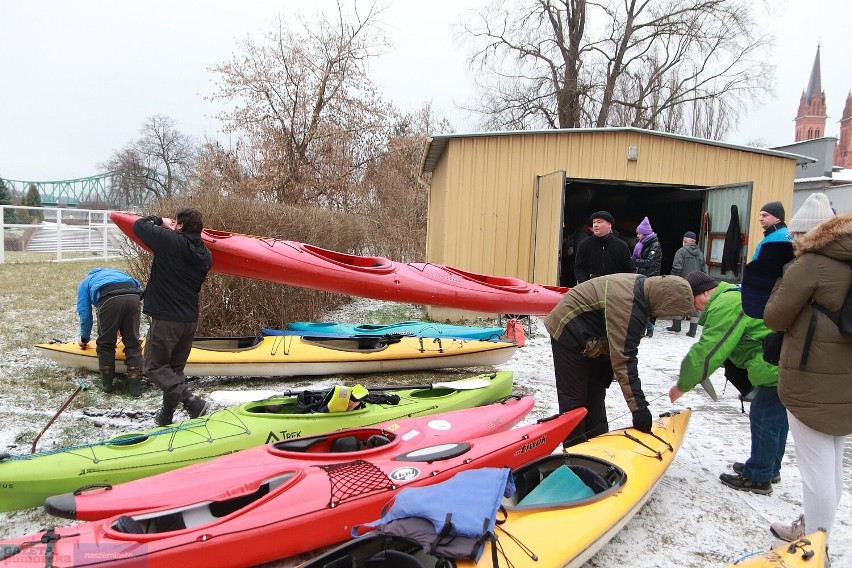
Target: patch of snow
690,520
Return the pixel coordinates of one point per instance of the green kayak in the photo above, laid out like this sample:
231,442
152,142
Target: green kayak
26,480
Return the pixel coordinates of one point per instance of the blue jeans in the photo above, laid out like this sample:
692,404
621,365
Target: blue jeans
768,419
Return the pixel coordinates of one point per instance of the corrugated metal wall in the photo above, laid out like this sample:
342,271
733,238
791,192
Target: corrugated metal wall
483,187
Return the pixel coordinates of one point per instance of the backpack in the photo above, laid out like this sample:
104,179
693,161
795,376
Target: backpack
842,318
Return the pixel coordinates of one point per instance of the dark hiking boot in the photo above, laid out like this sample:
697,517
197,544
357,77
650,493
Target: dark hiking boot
106,382
164,416
196,407
134,381
675,326
791,532
740,483
693,327
738,468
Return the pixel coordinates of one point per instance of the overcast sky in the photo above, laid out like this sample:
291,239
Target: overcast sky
80,78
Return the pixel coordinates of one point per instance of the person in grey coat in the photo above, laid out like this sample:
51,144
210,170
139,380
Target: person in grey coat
687,259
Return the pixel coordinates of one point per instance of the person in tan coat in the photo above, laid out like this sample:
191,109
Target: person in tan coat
595,332
815,384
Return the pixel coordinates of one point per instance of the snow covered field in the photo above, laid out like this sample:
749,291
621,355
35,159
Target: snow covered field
691,520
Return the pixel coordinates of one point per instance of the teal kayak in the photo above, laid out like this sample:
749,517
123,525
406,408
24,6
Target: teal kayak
27,479
412,328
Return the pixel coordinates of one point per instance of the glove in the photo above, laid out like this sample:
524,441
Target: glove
642,420
154,219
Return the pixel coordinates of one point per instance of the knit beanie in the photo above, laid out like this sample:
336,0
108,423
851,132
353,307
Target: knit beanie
774,208
700,282
815,210
690,235
605,215
644,227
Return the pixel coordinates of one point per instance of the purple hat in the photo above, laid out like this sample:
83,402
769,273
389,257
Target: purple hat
644,227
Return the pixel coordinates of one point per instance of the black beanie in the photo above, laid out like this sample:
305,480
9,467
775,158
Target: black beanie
605,215
700,282
774,208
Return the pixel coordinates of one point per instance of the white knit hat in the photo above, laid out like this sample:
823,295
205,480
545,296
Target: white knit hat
815,210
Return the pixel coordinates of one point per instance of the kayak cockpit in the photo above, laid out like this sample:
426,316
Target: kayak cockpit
564,481
355,343
361,440
374,264
226,343
195,514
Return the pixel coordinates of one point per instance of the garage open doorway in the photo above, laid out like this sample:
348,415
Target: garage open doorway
672,210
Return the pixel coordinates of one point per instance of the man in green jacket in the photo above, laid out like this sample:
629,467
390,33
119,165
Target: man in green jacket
733,337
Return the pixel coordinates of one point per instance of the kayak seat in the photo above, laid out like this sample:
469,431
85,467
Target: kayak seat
559,486
346,444
393,559
377,440
155,524
129,525
593,480
227,343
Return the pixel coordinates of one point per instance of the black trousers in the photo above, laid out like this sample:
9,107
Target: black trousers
582,382
118,313
167,348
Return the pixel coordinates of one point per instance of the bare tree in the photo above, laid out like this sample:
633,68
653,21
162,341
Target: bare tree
155,165
685,66
398,197
304,104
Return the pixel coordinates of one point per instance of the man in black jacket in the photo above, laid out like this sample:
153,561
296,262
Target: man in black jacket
603,253
180,266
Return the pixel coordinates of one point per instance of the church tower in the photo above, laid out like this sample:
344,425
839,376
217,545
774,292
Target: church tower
843,150
810,120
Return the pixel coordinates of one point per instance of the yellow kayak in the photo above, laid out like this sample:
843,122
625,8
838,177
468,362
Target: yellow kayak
282,356
806,552
567,505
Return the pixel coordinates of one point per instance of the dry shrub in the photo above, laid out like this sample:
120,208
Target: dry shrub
231,305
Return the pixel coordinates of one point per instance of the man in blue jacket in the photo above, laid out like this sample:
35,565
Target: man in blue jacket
116,297
180,266
771,218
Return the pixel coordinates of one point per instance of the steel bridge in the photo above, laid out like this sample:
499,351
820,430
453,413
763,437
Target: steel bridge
72,192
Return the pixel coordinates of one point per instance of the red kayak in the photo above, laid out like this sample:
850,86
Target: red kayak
299,264
247,470
300,508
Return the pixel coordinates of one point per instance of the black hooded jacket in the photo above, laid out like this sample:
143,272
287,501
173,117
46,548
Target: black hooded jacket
181,263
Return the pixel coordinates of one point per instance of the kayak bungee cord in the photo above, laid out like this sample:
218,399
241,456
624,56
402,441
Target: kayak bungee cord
124,440
657,453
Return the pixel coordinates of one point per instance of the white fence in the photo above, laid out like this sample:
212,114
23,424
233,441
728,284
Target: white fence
39,234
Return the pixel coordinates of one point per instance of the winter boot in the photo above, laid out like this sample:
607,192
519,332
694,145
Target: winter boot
693,327
106,381
741,483
196,406
675,326
134,381
164,416
739,467
789,532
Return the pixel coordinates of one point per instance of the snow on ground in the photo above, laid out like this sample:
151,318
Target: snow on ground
691,520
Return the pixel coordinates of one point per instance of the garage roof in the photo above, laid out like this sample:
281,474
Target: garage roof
435,145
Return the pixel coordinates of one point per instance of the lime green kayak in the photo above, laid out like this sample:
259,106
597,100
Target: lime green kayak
27,479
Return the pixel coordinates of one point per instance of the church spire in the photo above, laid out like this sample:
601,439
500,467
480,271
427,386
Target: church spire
810,119
815,83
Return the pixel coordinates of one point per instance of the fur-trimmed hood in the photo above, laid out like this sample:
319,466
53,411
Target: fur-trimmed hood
832,238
